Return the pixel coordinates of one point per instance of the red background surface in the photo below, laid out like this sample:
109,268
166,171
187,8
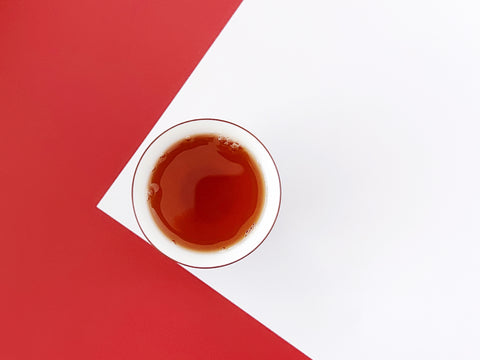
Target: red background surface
81,83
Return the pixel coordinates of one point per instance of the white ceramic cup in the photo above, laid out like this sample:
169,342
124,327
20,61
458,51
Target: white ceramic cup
221,257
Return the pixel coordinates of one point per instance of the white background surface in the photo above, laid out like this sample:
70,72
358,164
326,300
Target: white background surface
371,111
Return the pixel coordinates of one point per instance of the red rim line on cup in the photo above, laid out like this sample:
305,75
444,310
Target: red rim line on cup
135,210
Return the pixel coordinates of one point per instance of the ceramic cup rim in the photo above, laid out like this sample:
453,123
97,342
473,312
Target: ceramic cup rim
140,219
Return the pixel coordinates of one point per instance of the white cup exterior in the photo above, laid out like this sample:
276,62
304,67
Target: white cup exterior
221,257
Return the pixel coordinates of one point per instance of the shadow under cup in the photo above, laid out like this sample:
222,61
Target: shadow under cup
188,256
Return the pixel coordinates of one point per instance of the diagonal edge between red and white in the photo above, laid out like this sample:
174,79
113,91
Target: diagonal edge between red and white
116,202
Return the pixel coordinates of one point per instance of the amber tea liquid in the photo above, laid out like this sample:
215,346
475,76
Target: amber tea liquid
206,192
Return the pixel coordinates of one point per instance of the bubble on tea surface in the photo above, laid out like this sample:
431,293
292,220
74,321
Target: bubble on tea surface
230,143
224,140
188,138
160,159
152,190
249,230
